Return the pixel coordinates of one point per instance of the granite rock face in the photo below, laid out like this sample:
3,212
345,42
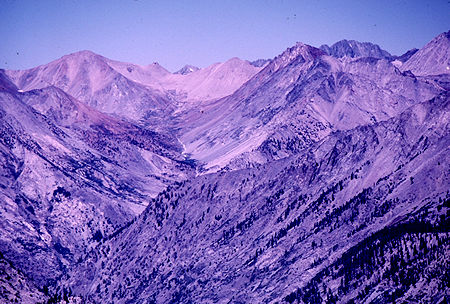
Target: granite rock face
320,176
353,49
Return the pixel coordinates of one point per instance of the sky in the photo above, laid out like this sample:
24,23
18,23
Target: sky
175,33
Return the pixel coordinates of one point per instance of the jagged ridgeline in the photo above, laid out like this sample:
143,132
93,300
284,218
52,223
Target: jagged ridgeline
320,176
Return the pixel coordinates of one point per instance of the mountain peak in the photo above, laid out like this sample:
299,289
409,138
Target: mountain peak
306,51
353,48
155,67
443,36
187,69
259,62
407,55
235,61
432,59
84,54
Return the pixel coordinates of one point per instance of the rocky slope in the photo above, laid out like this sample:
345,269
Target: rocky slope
71,176
432,59
89,78
298,98
272,233
406,56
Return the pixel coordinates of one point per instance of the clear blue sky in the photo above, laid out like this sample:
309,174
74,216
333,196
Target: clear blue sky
175,33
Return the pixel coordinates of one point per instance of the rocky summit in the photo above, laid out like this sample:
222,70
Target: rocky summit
319,176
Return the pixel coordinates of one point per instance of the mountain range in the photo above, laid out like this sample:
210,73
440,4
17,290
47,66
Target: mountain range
319,176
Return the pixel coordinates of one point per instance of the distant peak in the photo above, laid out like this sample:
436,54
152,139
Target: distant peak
156,65
235,59
305,50
187,69
87,52
308,50
259,62
407,55
353,49
83,53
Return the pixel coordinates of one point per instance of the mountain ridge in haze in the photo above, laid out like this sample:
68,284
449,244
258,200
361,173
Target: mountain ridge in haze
71,73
